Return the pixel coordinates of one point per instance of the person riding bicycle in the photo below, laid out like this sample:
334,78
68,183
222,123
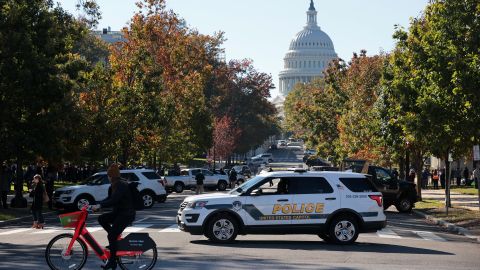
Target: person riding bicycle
123,214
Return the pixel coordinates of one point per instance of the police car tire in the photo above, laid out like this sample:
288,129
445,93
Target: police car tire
325,237
343,221
216,222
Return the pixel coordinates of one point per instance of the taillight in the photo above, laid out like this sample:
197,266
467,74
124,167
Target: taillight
377,198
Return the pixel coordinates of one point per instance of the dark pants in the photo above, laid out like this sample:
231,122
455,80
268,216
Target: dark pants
3,195
435,184
459,181
38,216
114,224
476,182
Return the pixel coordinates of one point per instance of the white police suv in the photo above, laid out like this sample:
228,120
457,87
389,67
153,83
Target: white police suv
336,206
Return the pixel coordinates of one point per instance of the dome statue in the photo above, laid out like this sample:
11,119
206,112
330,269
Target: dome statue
309,53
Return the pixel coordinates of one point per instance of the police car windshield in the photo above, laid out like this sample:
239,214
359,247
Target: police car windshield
247,185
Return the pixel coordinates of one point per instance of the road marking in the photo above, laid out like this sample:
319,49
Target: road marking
173,228
387,233
46,231
15,231
429,236
138,221
137,228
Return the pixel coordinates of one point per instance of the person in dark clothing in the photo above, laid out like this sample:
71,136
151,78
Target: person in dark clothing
4,185
458,176
199,178
411,176
435,178
37,193
443,178
122,215
233,178
466,175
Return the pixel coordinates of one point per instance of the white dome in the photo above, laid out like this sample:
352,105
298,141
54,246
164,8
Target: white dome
310,52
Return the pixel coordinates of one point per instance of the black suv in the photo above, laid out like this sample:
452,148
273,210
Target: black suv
396,192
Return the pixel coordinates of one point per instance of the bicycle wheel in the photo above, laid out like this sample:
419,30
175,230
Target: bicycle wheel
54,254
146,261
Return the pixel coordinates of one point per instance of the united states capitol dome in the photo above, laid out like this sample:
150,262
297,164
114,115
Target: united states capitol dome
309,53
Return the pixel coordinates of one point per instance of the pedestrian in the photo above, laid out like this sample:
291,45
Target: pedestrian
435,179
39,195
4,185
425,175
476,177
458,176
199,178
50,184
411,176
466,175
233,178
395,173
122,215
443,177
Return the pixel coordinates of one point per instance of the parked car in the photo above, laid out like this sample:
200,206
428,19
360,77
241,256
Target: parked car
256,161
95,189
315,161
396,192
186,180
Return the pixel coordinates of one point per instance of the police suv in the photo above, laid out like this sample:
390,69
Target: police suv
336,206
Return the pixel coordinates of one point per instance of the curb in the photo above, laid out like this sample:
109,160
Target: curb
20,219
449,226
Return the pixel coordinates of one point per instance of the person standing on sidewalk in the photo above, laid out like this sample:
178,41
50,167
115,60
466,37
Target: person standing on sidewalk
435,179
199,178
425,175
458,176
38,193
233,178
476,177
4,186
466,175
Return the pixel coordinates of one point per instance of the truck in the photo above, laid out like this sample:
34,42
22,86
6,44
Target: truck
186,180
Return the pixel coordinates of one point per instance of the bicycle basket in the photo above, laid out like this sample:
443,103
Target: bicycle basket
70,220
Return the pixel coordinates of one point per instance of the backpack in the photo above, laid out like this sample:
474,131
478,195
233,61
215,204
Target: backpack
136,196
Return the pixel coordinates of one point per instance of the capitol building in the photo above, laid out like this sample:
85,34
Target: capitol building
309,54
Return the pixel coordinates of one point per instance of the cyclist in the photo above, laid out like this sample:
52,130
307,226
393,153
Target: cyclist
123,214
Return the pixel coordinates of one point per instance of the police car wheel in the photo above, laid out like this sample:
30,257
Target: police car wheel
343,230
222,228
325,237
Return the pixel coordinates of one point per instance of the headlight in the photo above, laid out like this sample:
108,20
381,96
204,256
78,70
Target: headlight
197,204
70,191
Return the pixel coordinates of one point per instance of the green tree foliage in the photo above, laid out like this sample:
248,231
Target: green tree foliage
434,78
38,74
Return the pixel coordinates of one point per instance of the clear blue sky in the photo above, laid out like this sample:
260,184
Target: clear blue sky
262,29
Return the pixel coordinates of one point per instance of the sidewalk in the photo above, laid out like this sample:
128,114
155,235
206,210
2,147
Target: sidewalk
458,200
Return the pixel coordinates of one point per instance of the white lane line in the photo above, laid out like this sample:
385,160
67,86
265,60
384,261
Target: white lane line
45,231
137,228
429,236
173,228
94,229
387,233
138,221
15,231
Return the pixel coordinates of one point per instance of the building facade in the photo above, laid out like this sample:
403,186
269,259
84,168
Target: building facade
309,54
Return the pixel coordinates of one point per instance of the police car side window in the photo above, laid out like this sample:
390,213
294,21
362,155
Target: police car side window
274,186
309,185
358,184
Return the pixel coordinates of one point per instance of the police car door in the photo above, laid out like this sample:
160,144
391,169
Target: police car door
313,200
267,203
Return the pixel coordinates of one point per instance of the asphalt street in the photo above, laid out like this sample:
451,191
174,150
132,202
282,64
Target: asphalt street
408,242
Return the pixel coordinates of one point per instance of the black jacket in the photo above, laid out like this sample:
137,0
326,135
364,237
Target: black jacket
121,200
37,194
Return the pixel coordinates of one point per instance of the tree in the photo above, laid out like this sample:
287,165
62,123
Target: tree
38,74
225,138
435,79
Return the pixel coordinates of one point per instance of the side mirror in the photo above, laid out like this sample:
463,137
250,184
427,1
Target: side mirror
256,192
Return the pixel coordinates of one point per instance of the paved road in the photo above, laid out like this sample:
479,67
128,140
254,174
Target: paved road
408,242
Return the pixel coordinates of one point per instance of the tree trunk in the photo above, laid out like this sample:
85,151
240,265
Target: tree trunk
417,161
19,201
401,169
447,182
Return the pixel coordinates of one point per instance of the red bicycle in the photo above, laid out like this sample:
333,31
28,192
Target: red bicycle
69,251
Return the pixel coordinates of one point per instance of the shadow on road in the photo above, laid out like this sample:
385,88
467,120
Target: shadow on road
302,245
